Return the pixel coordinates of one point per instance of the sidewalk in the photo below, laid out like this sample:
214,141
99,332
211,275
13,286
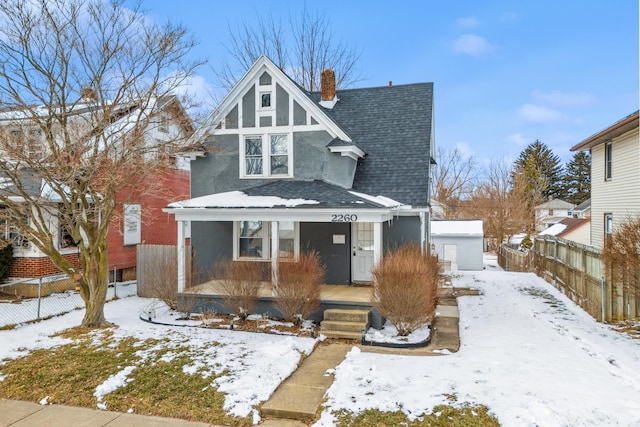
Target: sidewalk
28,414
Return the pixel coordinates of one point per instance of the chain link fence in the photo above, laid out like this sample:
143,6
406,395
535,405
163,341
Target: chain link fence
29,300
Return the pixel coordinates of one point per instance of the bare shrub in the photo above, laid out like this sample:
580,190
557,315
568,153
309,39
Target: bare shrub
405,288
621,254
299,286
240,282
161,278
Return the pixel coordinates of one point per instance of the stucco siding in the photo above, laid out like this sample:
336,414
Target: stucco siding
620,195
212,242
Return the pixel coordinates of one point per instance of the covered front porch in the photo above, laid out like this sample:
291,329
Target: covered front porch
209,297
276,221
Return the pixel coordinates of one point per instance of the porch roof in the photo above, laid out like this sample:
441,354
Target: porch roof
288,200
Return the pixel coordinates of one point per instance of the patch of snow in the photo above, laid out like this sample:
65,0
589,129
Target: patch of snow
239,199
380,200
389,334
457,228
113,383
554,230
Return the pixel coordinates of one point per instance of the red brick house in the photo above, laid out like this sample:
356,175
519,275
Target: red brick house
140,220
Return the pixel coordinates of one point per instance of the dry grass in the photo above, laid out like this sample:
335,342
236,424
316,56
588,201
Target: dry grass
405,287
69,374
299,287
241,285
440,416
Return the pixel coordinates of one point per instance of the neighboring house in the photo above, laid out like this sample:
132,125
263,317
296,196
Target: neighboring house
437,209
552,212
583,210
615,176
343,173
575,229
458,243
141,220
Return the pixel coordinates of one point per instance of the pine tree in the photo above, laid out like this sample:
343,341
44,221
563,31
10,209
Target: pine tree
541,170
577,178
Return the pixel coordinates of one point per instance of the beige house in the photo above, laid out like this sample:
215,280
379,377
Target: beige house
615,176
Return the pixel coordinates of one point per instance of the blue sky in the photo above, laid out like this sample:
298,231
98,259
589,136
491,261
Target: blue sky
505,73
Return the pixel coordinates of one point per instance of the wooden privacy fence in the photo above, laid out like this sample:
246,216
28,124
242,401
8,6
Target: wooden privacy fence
514,260
157,270
577,270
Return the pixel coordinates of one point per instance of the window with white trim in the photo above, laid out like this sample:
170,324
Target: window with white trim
608,165
252,240
266,155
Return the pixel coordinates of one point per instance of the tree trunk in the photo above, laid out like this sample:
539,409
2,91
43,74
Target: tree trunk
96,281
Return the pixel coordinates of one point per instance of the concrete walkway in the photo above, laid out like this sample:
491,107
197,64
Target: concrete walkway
300,395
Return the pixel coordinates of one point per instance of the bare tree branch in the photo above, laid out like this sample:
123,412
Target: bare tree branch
83,85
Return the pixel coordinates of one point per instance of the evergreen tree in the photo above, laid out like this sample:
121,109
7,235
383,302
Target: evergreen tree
542,172
577,178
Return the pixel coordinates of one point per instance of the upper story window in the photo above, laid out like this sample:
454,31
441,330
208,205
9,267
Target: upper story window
608,152
266,156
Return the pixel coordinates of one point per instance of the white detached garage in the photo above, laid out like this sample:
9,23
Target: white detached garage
459,243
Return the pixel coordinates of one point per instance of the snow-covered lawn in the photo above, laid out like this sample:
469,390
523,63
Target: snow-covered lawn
527,352
255,364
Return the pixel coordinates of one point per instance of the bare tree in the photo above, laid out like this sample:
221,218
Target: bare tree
303,49
81,83
498,201
453,181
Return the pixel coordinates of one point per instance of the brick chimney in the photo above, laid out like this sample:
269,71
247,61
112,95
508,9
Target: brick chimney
328,88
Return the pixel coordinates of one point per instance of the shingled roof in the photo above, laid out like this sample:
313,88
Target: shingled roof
392,124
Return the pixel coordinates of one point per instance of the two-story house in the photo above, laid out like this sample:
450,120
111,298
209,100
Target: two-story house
138,217
344,173
552,212
615,176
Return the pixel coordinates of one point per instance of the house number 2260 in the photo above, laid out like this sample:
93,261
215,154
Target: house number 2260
344,218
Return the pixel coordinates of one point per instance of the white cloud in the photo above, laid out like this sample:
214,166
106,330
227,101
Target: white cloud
517,139
464,149
468,22
472,44
564,100
539,114
200,93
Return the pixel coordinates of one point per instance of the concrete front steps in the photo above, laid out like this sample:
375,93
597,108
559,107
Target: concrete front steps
344,323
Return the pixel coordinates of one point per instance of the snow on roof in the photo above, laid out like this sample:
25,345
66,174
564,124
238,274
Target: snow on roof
554,230
457,228
239,199
381,200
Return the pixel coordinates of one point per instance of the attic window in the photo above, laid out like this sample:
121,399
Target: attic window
265,100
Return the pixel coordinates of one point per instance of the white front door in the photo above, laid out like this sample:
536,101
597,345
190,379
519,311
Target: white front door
362,246
451,254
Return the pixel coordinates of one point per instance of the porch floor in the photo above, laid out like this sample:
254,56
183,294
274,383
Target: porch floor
343,293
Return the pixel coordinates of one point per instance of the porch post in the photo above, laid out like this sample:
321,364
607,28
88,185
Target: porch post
377,242
275,250
181,256
423,232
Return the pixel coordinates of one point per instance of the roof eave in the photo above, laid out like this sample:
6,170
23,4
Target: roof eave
619,128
